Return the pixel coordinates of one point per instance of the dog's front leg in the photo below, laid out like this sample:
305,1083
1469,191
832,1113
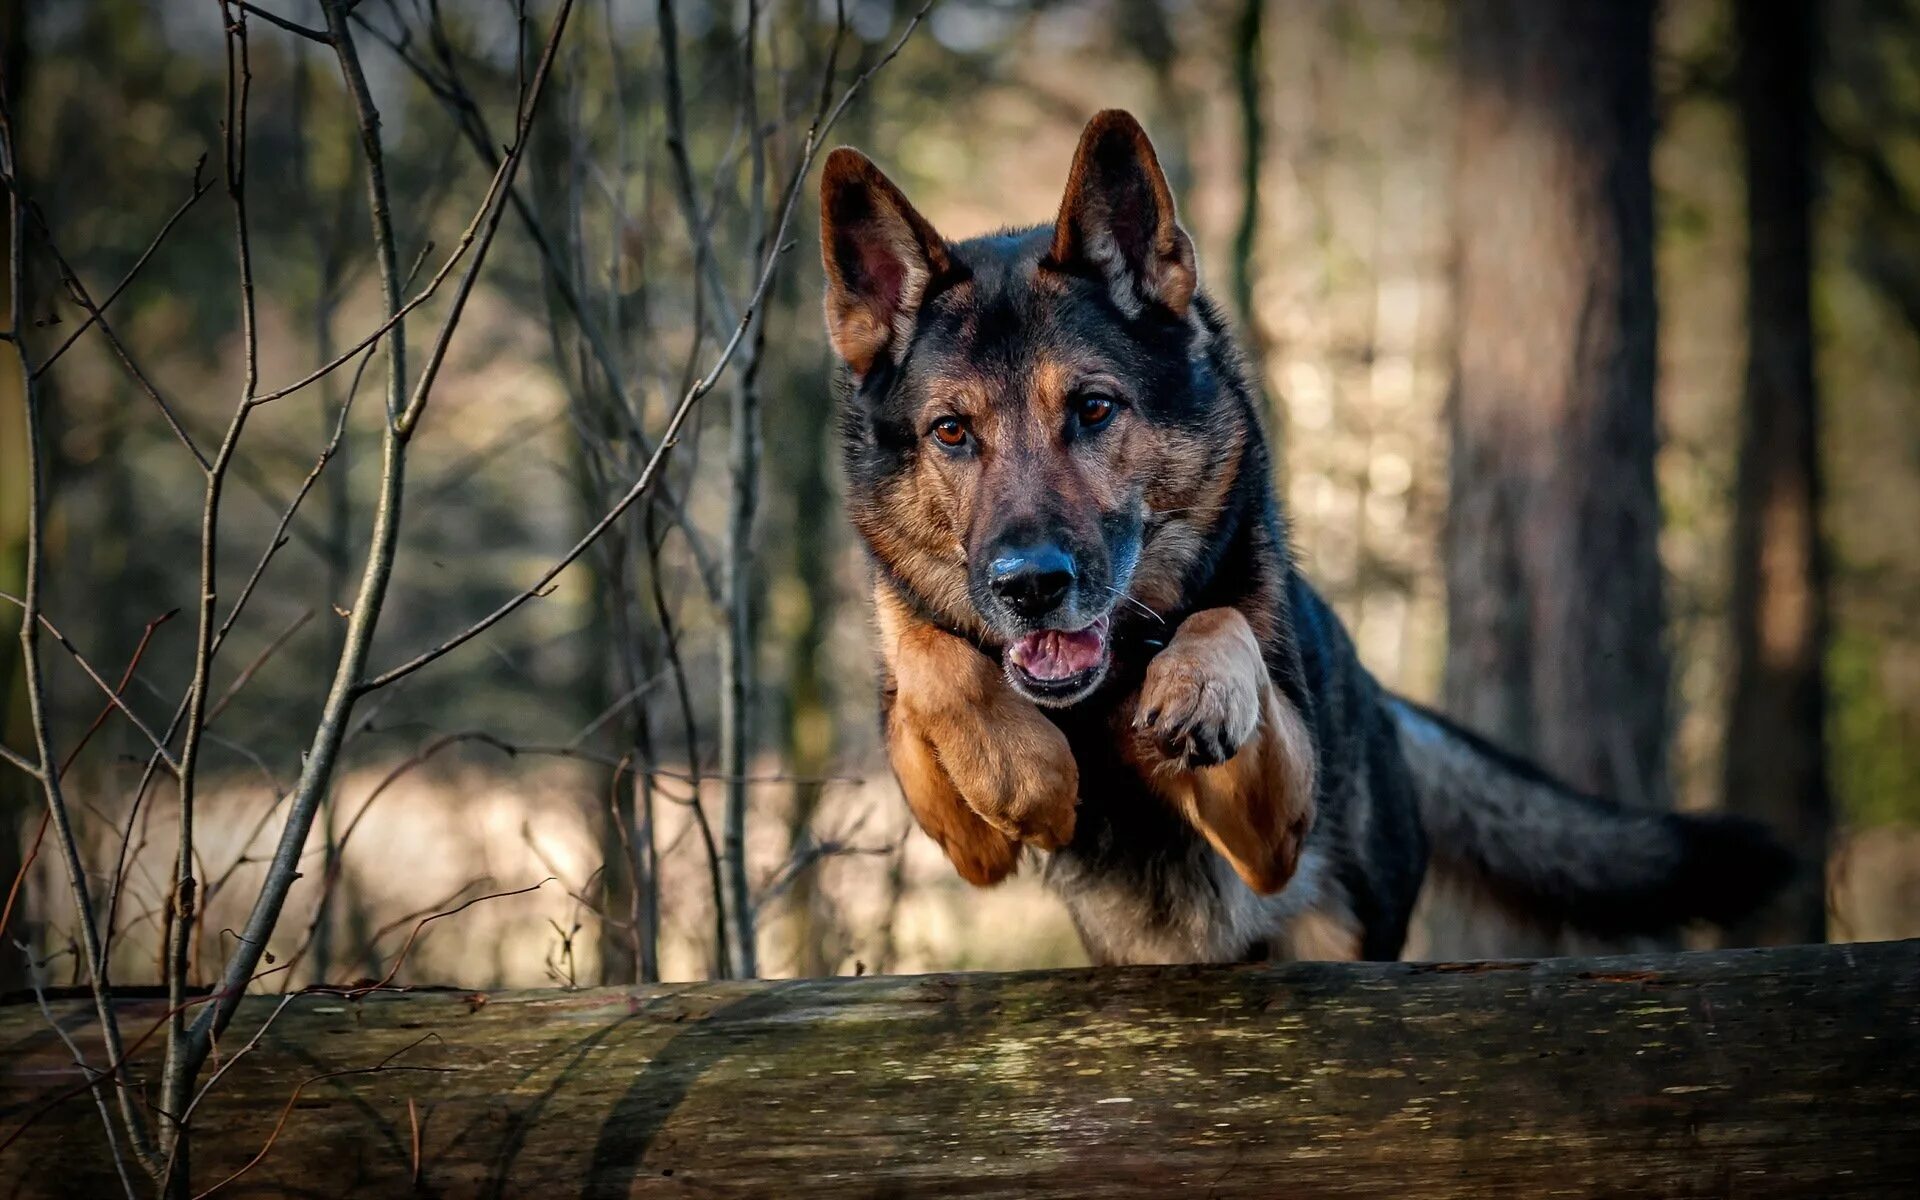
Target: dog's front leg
982,769
1216,739
981,854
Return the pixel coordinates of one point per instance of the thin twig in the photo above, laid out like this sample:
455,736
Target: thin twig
100,719
253,667
32,668
200,188
413,1123
16,759
407,948
286,1111
813,853
317,770
312,35
279,538
180,1063
95,315
237,1056
687,403
393,321
640,900
112,693
94,1078
467,115
114,1068
706,263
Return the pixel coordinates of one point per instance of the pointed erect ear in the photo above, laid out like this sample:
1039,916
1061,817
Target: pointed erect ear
1118,219
880,256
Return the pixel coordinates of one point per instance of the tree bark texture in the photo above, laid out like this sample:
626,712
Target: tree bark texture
1556,629
1754,1073
1776,765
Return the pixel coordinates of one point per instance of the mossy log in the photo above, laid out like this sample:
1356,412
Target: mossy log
1789,1072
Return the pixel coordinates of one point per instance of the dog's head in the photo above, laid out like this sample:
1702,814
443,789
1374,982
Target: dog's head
1030,415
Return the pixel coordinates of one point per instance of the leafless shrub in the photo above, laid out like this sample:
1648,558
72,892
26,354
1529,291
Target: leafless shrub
634,385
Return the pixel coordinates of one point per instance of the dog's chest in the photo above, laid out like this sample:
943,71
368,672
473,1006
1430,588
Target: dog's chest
1142,886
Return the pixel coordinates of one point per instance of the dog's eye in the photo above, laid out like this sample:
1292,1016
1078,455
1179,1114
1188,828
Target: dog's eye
1094,409
950,431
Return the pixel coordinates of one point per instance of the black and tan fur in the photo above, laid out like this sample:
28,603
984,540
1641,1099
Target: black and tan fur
1229,783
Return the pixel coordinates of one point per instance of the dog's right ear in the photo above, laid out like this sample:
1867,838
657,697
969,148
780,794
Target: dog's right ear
880,256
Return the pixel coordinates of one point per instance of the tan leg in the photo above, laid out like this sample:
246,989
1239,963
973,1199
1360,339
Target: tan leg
957,729
1320,936
980,853
1216,739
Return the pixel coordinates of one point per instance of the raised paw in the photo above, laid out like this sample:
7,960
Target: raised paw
1196,714
1216,739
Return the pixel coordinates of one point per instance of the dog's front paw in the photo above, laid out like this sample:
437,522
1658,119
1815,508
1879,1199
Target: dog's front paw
1008,762
1216,739
982,854
1197,715
1029,790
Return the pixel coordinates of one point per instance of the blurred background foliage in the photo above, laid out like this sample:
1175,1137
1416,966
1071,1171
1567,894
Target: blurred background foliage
1340,266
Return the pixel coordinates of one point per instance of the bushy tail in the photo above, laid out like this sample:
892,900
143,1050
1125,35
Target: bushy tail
1554,857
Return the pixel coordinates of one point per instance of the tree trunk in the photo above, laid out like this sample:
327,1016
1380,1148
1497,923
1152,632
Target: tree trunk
1555,641
19,794
1776,766
1749,1073
809,716
1248,56
738,642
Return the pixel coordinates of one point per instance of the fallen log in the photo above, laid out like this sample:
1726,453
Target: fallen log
1787,1072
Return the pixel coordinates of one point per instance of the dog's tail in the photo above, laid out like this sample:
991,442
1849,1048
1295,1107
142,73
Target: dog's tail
1550,856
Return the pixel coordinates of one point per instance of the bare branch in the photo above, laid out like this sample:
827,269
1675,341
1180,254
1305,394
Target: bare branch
312,35
259,660
465,242
237,1055
78,291
73,755
112,693
407,948
279,538
32,668
317,770
200,188
810,855
179,1067
706,263
701,387
15,759
94,1078
437,355
469,118
743,473
294,1100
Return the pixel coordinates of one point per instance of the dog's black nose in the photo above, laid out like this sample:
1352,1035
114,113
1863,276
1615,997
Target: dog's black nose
1032,581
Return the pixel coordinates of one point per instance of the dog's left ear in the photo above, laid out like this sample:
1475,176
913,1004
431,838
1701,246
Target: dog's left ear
1118,219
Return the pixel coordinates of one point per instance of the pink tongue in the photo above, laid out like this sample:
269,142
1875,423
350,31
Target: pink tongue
1055,654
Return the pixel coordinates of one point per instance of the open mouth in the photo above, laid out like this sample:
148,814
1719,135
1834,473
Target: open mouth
1059,665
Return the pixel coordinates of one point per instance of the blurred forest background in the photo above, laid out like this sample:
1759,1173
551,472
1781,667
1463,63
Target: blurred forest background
688,715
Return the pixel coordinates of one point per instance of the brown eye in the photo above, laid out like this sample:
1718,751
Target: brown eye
1093,409
950,431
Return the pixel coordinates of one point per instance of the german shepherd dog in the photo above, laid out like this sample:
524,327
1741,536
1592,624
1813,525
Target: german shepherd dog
1096,644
